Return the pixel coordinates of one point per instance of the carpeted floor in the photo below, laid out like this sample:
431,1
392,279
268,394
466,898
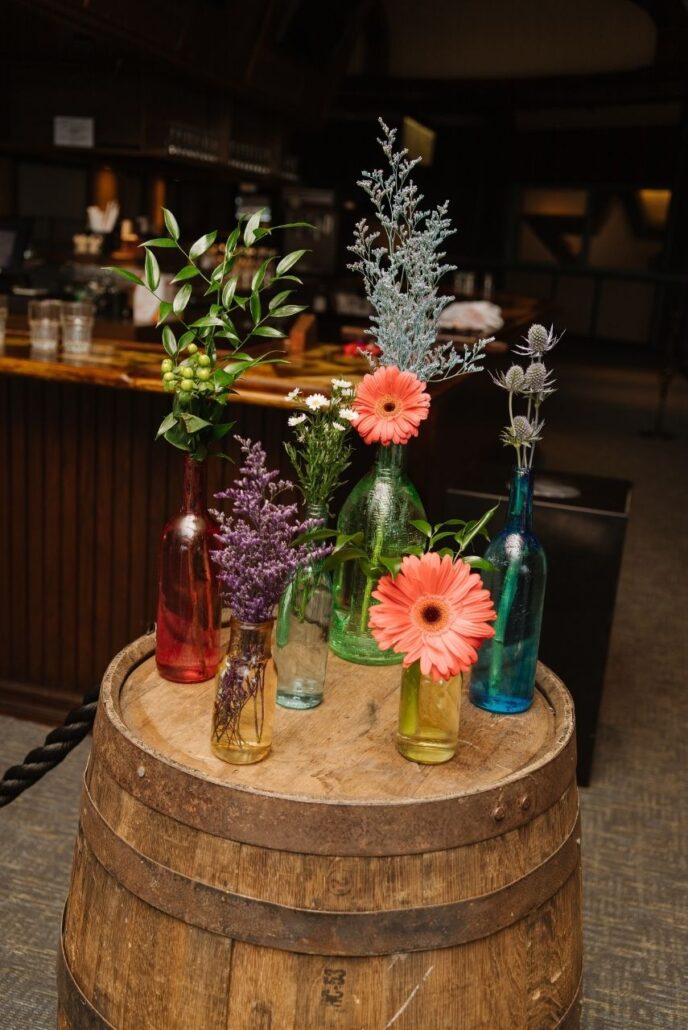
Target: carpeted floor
634,814
36,841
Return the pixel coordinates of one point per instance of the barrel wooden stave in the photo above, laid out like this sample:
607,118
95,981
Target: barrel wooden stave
137,966
474,986
334,883
168,926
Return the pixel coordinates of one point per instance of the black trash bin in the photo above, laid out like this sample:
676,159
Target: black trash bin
581,521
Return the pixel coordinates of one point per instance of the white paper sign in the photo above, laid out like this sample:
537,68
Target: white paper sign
73,132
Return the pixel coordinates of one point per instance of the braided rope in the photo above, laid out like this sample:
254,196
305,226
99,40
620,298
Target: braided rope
55,749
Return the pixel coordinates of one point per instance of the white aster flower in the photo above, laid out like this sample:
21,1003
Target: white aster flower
342,384
296,420
317,401
339,427
348,414
293,394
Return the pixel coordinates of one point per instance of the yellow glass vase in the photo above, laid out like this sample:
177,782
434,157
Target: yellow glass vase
245,695
428,717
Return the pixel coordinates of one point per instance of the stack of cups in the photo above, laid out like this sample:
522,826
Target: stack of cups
3,319
77,327
44,325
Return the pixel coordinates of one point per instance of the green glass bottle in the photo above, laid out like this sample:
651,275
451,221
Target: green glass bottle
381,506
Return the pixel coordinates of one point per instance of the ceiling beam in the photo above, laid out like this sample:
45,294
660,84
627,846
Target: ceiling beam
360,95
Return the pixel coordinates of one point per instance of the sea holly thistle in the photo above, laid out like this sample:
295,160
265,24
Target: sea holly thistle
200,380
534,385
402,266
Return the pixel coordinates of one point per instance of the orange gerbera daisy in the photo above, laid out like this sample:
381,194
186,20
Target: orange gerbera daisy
435,611
391,405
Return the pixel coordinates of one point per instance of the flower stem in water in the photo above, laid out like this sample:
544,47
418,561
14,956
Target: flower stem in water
503,612
409,716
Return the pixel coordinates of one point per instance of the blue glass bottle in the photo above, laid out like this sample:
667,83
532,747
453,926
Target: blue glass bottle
503,678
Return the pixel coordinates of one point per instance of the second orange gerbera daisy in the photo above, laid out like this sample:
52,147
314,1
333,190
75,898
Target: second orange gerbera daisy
391,405
435,611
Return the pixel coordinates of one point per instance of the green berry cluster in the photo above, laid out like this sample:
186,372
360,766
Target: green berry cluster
190,376
200,387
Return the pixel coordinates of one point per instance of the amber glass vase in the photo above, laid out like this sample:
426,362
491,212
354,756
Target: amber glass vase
245,695
187,646
428,717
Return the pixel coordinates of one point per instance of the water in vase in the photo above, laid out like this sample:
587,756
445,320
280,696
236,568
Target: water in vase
301,651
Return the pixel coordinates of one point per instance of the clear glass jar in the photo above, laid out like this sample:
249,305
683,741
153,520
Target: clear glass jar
503,678
428,717
44,325
381,506
77,326
246,685
303,626
187,644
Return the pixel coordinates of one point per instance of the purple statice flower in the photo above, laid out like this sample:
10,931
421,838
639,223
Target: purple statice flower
258,555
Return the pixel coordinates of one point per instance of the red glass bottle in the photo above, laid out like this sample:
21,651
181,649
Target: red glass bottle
187,648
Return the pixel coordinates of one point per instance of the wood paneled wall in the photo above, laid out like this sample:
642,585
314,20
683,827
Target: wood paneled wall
84,494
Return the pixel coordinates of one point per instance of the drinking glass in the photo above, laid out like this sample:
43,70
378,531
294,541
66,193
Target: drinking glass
44,323
77,326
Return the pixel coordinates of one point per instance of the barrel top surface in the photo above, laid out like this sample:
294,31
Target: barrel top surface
342,751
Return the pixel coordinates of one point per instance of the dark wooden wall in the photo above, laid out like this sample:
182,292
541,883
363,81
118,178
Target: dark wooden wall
85,492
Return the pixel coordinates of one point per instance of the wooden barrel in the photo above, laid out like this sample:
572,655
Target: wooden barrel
334,885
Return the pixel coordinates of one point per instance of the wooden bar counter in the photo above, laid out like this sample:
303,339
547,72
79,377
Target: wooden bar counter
85,492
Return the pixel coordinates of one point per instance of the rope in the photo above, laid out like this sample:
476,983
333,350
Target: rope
55,749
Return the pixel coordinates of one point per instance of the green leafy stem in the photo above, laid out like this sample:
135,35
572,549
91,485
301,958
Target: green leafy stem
346,547
190,370
455,536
